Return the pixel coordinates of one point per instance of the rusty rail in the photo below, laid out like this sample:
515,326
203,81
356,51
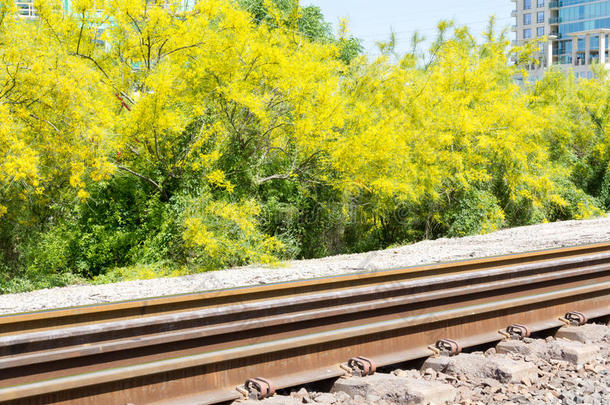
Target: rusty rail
201,348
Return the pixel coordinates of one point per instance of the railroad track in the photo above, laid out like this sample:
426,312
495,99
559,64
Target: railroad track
202,348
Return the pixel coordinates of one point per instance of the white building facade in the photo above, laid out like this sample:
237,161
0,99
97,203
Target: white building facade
575,32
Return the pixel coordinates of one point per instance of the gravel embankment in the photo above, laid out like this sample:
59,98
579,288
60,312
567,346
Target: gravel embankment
515,240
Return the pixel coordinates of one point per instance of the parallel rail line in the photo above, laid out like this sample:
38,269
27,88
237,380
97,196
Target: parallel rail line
200,348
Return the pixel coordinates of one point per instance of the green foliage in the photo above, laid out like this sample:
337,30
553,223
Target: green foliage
578,204
305,220
604,194
308,20
117,226
478,212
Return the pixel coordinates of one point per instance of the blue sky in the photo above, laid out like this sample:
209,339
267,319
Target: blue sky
372,20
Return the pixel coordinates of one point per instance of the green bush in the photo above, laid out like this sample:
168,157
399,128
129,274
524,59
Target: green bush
604,195
478,212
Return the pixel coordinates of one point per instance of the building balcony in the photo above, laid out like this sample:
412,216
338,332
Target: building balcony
513,13
554,20
553,4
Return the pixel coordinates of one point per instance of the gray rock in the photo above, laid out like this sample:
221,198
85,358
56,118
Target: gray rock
399,390
326,398
558,349
478,366
341,396
589,333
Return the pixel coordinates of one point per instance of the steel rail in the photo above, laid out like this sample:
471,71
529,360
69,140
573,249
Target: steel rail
198,351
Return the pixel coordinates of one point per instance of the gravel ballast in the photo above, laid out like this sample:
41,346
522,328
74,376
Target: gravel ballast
515,240
551,381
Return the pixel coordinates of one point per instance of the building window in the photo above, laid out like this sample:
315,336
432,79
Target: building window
540,3
527,4
527,19
540,32
540,17
527,33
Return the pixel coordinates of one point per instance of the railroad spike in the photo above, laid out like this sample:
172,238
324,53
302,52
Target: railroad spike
361,366
576,318
517,331
448,347
257,388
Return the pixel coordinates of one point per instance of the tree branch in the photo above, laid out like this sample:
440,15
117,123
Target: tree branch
273,177
46,121
148,179
183,48
97,65
135,23
295,171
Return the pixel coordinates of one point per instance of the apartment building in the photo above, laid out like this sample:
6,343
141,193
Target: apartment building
575,33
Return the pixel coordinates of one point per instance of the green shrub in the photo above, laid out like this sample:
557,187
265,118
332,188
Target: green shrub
604,195
477,212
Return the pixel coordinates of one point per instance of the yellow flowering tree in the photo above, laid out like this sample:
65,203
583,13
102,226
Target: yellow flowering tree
55,117
188,102
456,143
144,133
